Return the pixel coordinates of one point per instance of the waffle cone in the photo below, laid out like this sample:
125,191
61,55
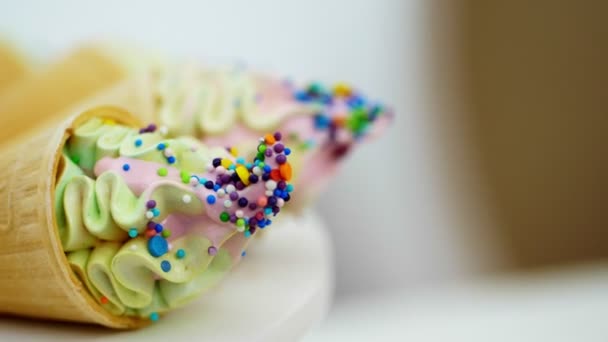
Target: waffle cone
36,279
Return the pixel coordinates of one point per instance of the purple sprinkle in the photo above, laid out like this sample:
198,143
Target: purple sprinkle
233,218
212,250
276,210
209,185
151,127
225,178
253,206
234,196
151,225
272,200
243,202
281,159
268,153
278,136
239,185
252,230
265,177
253,222
282,185
253,178
151,204
278,148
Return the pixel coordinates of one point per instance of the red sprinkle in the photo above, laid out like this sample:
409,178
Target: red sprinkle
104,300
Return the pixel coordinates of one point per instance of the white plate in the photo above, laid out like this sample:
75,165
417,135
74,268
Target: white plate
281,289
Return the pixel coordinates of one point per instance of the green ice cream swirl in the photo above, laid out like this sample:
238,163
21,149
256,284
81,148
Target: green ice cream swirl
94,218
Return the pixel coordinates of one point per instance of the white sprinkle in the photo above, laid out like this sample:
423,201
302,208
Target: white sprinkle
239,213
230,172
133,247
269,193
257,171
227,203
149,214
168,152
163,130
280,202
169,246
230,188
210,168
221,193
220,170
240,229
187,199
194,181
271,185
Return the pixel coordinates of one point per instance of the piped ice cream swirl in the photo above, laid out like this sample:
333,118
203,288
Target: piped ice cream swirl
149,223
232,107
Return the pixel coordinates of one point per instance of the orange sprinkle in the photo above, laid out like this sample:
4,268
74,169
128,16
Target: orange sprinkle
285,170
340,121
104,300
275,175
269,138
150,232
262,201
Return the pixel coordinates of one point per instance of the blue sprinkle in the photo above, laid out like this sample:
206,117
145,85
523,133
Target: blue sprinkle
180,254
287,151
202,180
247,233
321,121
278,192
154,317
171,160
232,167
158,227
126,167
261,224
249,166
165,266
267,169
138,142
243,253
268,211
355,101
289,188
301,96
157,246
240,160
211,199
133,233
268,222
160,146
156,212
216,187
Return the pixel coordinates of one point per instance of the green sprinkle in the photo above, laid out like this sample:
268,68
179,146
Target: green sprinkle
166,233
184,176
162,172
260,156
76,159
262,148
224,216
240,222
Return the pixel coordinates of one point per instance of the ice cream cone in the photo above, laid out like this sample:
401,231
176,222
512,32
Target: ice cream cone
36,279
13,66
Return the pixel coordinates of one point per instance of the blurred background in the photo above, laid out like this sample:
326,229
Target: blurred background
482,212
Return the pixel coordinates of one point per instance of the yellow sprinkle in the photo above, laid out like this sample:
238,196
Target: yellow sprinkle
342,89
234,151
109,122
226,163
243,174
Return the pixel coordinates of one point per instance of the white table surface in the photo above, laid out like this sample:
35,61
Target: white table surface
281,290
568,304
